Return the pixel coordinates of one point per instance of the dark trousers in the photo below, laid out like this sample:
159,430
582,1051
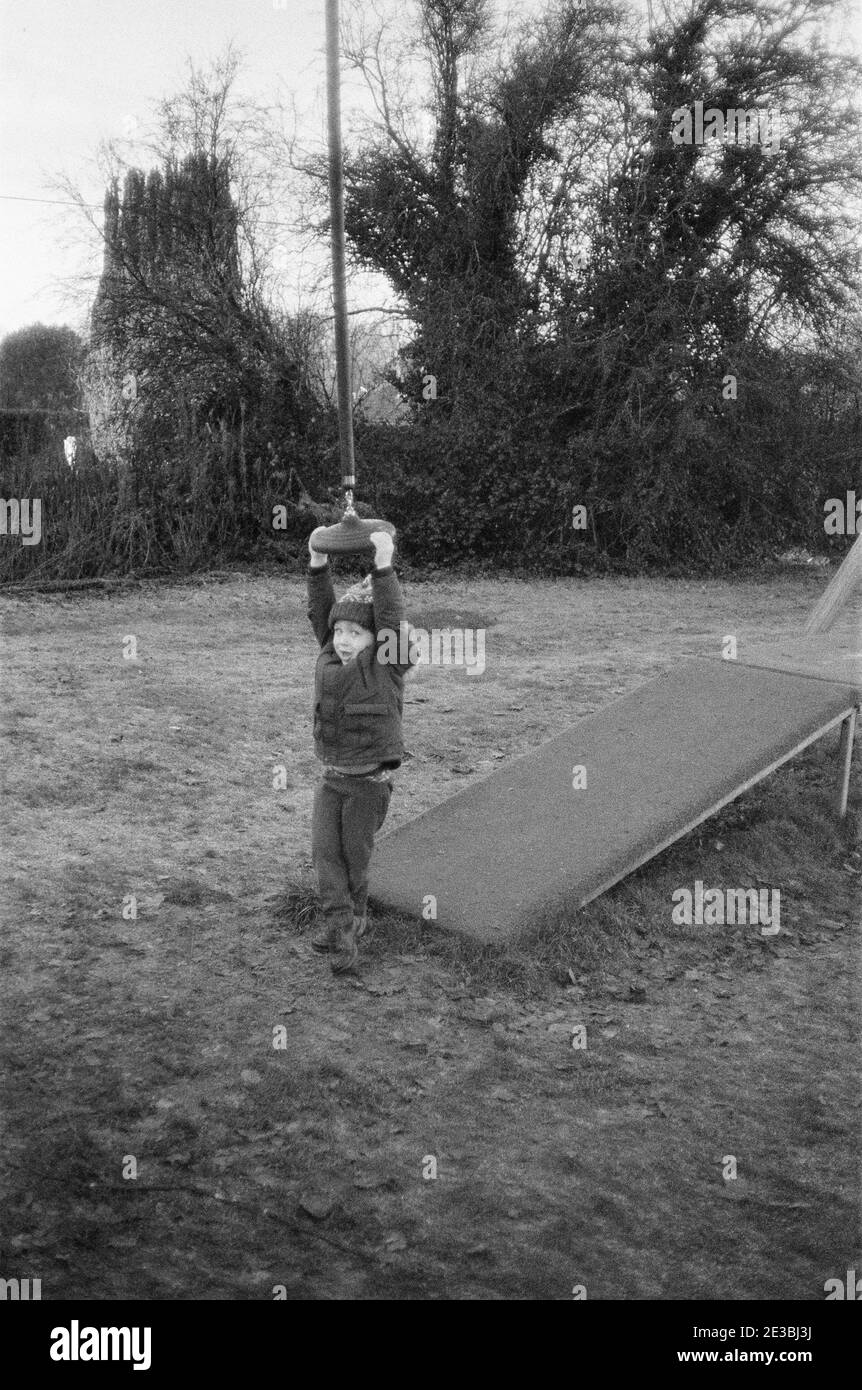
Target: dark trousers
347,813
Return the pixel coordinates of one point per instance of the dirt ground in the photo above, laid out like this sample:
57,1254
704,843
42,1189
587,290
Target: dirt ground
196,1109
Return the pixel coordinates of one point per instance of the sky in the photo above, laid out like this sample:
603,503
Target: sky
74,73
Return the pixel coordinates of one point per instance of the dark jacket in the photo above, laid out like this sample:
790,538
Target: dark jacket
357,707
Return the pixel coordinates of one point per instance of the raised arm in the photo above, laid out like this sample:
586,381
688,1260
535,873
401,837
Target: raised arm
389,611
321,594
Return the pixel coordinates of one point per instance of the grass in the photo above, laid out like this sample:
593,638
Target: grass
152,1036
788,819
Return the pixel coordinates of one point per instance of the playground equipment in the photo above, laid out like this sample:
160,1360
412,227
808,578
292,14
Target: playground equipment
351,534
658,762
837,592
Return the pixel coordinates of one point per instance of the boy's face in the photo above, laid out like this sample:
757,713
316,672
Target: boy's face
349,639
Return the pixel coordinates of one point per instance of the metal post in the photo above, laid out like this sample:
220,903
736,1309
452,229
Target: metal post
848,729
837,592
339,288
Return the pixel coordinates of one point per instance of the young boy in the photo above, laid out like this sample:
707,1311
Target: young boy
358,703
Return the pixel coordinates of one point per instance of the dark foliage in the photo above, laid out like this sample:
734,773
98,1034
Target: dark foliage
39,368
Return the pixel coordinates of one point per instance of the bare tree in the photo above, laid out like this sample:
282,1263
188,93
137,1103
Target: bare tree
184,299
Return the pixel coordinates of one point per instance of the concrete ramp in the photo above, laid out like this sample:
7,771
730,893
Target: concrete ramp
658,762
822,656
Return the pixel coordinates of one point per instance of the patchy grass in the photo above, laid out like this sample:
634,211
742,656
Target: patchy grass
282,1121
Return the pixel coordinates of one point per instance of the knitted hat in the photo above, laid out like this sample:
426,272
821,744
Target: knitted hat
355,606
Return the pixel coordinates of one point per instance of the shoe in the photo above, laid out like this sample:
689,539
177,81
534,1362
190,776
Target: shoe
359,926
322,940
344,950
